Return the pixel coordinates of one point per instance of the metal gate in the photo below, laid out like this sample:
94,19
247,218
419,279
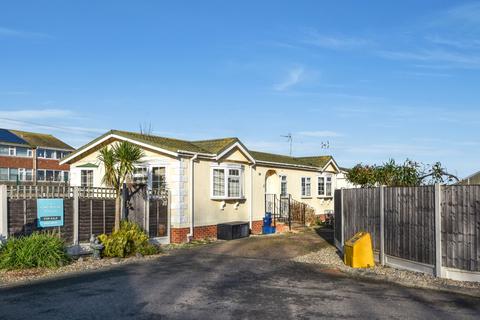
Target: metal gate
286,209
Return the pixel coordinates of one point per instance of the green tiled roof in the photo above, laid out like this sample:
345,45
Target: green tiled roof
42,140
318,161
160,142
216,145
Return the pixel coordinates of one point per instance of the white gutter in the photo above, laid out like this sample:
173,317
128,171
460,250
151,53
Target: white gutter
260,162
191,198
210,155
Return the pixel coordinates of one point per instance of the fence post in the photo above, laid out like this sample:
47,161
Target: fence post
76,210
3,213
382,225
147,213
438,230
342,219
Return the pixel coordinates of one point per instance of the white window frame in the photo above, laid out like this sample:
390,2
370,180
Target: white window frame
12,151
226,168
325,178
282,181
304,191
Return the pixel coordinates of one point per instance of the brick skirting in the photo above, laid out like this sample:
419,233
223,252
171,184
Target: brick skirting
257,227
179,235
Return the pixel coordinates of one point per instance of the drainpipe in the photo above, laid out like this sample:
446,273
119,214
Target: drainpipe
251,197
191,198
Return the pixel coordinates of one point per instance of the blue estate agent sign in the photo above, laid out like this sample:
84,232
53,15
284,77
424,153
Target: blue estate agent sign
50,213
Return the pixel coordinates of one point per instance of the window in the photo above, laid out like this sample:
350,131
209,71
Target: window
11,151
218,182
13,174
4,151
328,186
50,154
40,175
227,182
65,176
40,153
140,175
306,187
233,183
48,175
321,186
283,186
57,176
158,178
3,174
25,174
86,178
23,152
325,186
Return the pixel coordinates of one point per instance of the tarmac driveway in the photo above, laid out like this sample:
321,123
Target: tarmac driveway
241,279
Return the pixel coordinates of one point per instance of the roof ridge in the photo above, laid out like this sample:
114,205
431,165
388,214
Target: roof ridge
218,139
30,132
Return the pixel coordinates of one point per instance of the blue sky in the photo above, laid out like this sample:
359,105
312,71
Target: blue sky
375,79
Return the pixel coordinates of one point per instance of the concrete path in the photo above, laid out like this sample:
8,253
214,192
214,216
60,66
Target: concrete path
242,279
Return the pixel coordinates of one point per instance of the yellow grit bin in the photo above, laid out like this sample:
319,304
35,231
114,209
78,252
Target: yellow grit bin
358,252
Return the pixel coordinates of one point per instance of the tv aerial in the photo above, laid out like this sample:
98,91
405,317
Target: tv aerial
290,140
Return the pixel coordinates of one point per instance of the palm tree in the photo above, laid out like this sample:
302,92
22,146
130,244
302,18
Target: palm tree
119,163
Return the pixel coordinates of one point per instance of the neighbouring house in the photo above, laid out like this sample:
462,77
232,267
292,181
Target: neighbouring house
472,179
32,158
213,181
342,181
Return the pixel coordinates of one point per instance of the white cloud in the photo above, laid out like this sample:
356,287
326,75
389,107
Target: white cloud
36,114
7,32
334,41
320,134
461,60
295,76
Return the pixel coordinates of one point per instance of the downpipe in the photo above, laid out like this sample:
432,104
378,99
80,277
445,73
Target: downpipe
191,198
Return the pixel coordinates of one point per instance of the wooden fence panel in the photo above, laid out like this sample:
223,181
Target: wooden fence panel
409,223
338,215
361,212
461,227
22,218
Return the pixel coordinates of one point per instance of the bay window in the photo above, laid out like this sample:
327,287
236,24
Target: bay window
227,182
306,187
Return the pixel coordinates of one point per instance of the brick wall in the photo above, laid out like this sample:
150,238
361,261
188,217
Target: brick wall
179,235
257,227
27,163
16,162
204,232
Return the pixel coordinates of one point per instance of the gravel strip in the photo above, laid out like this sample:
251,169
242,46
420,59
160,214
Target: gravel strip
328,256
82,264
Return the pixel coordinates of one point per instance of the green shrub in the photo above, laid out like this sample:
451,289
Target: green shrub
44,250
128,240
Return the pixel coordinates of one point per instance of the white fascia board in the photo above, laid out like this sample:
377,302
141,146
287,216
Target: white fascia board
76,154
331,161
268,163
239,146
